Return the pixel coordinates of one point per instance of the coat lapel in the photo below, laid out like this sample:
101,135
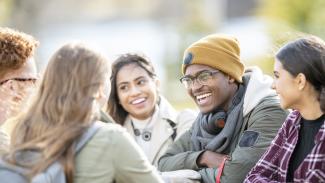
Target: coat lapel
160,135
128,126
162,130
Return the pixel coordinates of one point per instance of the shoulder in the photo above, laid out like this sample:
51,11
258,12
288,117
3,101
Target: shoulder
3,135
293,117
258,90
167,111
4,142
109,133
267,112
186,115
269,105
110,128
267,102
291,121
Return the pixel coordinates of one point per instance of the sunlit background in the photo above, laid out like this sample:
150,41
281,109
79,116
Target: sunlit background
162,29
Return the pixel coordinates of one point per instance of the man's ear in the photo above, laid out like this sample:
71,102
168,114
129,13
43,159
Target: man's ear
231,79
301,81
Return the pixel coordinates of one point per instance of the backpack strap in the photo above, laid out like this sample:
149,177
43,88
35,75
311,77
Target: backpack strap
54,173
88,134
173,125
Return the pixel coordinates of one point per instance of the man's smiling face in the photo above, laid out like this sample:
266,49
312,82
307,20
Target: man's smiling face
215,93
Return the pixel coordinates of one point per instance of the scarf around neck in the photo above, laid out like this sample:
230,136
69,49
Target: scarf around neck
207,136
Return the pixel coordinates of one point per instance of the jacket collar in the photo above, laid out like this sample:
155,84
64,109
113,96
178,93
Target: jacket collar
321,133
166,111
258,86
162,130
320,136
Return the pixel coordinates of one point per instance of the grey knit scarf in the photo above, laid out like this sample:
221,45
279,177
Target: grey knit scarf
207,136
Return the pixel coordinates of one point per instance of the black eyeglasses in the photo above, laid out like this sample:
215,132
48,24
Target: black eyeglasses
18,79
202,78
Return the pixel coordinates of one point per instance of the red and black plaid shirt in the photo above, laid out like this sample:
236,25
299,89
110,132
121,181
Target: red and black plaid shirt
273,165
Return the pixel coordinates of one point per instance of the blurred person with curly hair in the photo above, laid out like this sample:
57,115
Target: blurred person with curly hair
17,74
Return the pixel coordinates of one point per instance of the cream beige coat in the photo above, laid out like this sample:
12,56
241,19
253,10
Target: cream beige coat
163,131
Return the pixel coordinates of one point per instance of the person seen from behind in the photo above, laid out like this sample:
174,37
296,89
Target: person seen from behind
68,102
18,77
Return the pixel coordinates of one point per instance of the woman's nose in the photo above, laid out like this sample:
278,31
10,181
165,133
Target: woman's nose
135,91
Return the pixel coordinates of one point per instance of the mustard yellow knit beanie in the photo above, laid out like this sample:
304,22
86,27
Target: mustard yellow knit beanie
218,51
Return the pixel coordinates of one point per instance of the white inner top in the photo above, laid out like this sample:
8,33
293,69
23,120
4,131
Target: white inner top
145,125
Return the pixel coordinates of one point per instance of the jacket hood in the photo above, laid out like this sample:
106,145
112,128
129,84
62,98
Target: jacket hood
258,87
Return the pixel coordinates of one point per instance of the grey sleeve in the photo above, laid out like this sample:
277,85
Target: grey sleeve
179,155
208,175
264,123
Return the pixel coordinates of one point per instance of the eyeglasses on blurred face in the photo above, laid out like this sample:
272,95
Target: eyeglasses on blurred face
203,78
33,80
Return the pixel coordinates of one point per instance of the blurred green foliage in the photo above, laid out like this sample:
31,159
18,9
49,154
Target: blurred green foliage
299,15
5,10
192,27
287,20
265,63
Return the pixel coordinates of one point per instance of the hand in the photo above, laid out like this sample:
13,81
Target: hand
181,176
211,159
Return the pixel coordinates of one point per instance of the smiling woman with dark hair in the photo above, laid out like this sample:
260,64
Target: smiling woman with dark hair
136,104
297,154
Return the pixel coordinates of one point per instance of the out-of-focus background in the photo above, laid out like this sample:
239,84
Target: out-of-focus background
162,29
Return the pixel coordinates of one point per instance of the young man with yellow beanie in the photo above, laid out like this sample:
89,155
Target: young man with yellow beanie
239,113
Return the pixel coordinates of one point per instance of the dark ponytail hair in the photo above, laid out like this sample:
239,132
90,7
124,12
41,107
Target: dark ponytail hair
306,55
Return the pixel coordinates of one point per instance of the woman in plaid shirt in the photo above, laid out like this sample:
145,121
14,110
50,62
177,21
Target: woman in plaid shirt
297,154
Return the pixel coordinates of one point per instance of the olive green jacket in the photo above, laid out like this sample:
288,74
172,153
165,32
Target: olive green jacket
112,155
262,114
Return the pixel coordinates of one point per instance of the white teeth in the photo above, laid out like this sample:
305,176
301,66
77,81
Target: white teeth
199,97
137,101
